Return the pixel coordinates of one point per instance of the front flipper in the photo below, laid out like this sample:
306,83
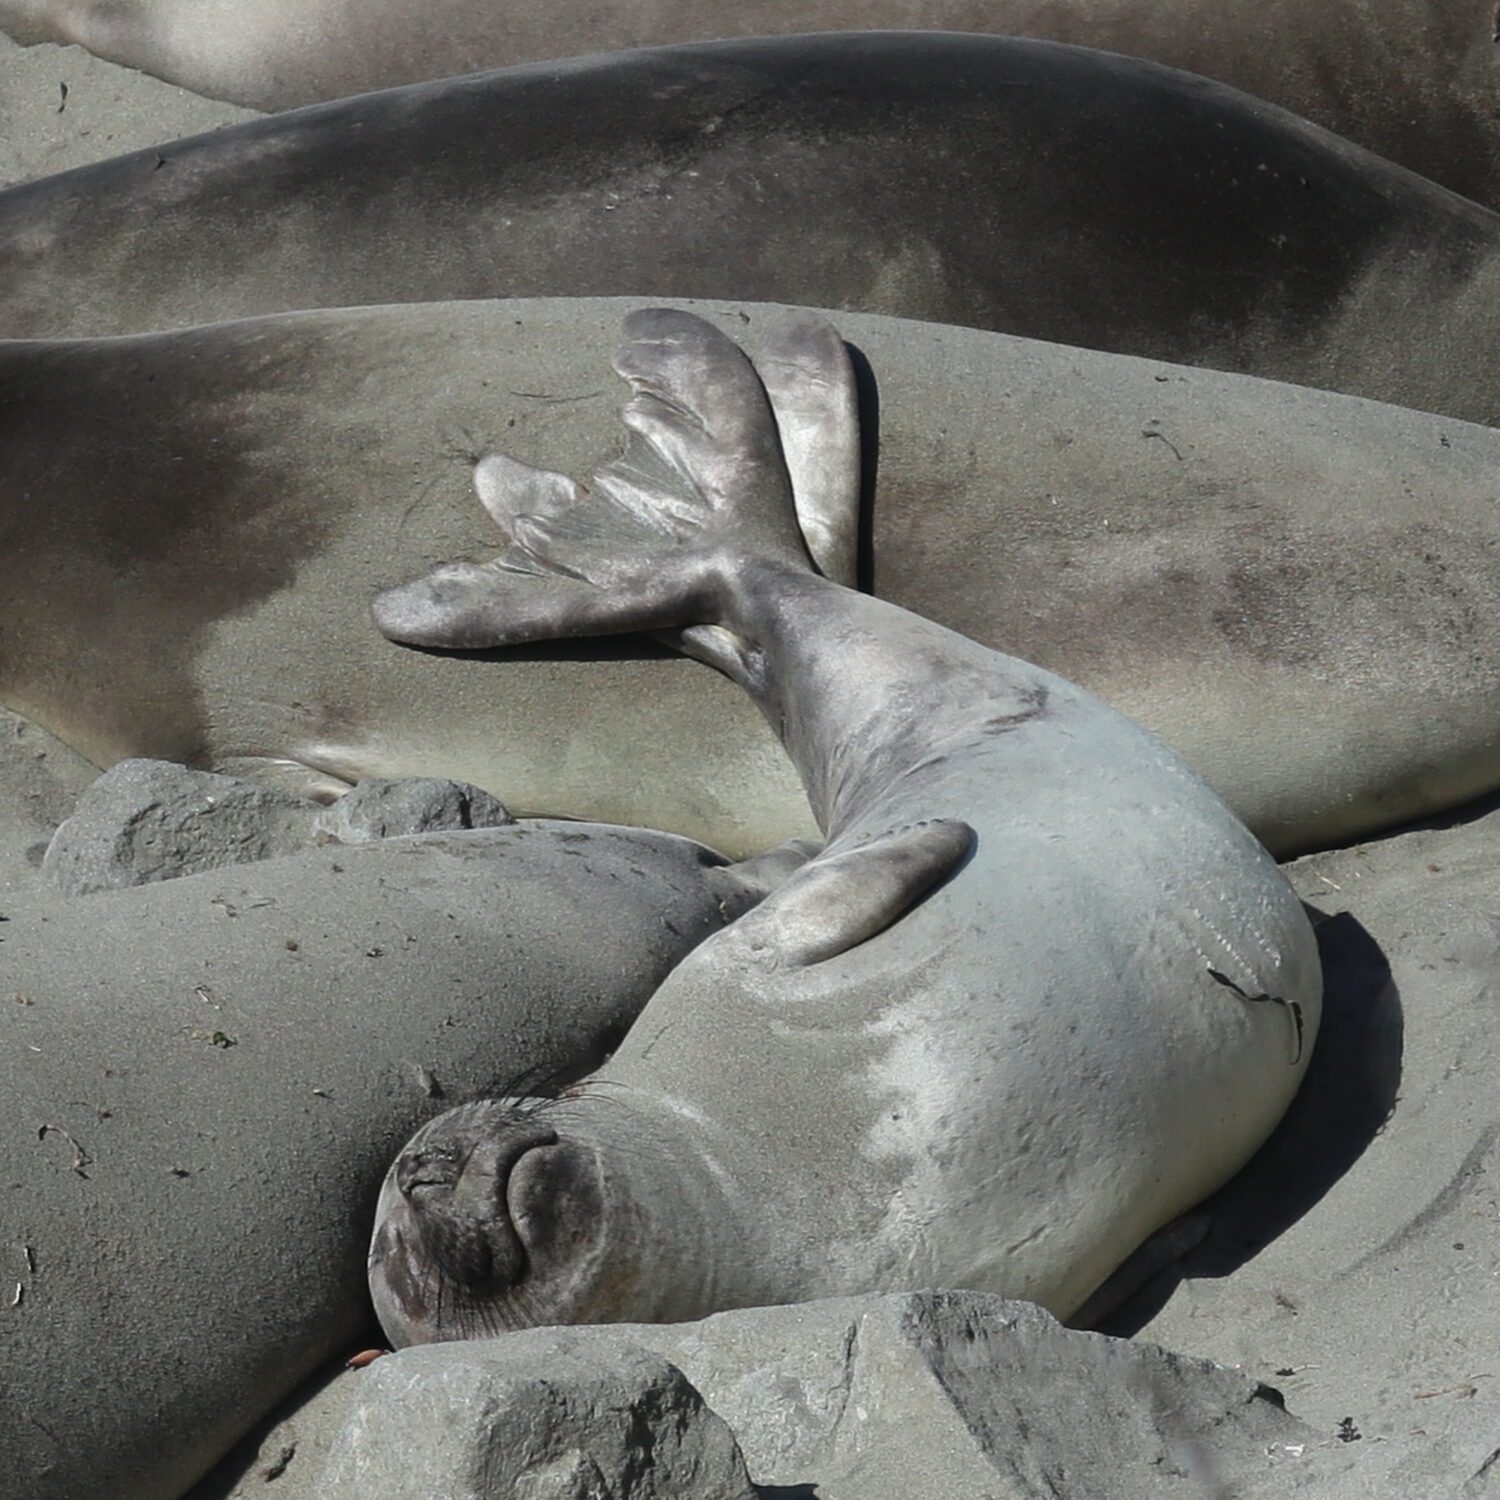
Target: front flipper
748,882
285,775
841,900
1143,1265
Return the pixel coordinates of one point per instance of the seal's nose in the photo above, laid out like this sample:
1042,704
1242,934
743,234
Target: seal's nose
456,1188
489,1165
429,1167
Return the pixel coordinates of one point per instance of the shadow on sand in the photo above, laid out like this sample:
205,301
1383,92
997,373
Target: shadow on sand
1345,1099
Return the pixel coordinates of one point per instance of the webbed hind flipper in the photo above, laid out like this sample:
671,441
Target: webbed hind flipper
507,488
805,368
807,373
475,606
836,902
702,474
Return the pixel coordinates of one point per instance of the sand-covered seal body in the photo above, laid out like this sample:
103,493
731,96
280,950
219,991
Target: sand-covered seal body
1415,80
977,181
1295,589
1039,994
205,1080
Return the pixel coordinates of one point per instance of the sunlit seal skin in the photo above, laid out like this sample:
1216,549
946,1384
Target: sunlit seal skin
977,181
186,511
1297,590
1039,994
1415,80
204,1084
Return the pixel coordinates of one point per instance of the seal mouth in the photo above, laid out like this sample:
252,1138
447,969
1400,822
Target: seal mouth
435,1167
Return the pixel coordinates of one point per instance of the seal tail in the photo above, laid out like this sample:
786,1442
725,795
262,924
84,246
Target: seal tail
707,473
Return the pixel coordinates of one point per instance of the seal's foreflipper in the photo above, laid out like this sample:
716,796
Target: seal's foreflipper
748,882
807,373
286,775
841,900
1146,1262
702,475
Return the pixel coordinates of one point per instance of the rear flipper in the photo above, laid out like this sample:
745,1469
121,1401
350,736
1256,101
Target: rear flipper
807,373
807,376
703,475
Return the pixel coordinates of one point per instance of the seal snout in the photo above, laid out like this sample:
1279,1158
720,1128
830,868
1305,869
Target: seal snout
455,1187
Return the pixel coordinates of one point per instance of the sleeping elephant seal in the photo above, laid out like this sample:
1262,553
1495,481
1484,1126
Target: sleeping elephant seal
1416,80
967,180
1297,590
205,1081
1039,995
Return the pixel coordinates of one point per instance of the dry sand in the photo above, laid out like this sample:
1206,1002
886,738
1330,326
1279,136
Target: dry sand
61,108
1375,1305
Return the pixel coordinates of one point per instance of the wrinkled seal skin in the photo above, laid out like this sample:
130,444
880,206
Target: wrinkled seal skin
1039,994
966,180
1415,80
204,1087
1297,590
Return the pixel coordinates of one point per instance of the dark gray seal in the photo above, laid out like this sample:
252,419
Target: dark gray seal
1039,994
1416,80
1297,590
204,1083
964,180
